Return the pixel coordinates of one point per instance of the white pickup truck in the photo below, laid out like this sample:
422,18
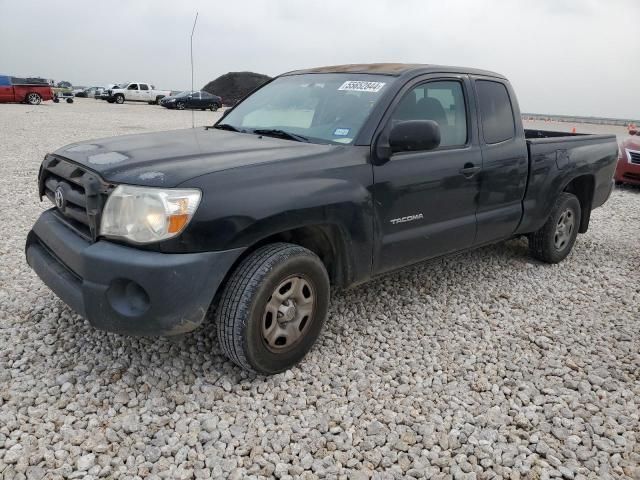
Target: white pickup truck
137,92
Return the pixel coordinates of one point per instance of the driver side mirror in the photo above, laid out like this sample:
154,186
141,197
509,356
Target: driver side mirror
414,136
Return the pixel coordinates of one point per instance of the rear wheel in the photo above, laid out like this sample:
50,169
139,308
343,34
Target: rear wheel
272,308
554,241
34,99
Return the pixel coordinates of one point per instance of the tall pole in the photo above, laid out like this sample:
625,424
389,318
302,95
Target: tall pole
193,121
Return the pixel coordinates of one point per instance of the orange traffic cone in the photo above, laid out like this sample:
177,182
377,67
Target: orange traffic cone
573,130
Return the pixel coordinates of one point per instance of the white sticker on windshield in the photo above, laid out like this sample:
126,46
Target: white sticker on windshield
361,86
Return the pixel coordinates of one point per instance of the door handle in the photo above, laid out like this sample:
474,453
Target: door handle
469,170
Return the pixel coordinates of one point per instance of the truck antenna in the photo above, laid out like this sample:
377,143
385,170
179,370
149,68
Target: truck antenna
193,122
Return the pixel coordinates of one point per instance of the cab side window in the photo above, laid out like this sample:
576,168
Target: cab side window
443,102
496,112
144,86
133,86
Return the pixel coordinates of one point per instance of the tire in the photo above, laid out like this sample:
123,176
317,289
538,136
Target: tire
111,101
119,99
34,98
553,242
180,105
214,107
69,100
157,100
251,309
56,100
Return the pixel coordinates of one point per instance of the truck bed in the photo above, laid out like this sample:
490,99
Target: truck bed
534,133
555,160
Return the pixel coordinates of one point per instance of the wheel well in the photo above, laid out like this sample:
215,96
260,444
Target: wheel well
583,188
326,241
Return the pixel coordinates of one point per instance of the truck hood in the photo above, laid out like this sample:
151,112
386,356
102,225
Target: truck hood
171,158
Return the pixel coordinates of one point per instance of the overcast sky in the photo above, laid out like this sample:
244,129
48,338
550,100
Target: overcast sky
574,57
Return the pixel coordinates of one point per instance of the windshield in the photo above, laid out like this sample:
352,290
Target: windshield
186,93
328,107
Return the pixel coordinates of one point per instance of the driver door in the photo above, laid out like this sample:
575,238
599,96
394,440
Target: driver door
425,201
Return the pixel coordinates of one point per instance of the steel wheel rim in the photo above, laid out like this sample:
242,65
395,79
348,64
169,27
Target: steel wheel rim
288,314
564,229
34,98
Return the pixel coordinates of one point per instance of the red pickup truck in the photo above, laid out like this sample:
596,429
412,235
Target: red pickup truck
16,90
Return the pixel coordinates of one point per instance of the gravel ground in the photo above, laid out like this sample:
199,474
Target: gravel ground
486,365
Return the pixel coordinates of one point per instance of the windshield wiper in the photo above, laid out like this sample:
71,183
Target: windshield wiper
275,132
225,126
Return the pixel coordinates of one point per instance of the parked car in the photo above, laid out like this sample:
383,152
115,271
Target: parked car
194,100
87,92
628,167
136,92
333,175
16,90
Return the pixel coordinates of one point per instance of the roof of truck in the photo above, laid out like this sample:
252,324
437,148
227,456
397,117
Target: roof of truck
395,69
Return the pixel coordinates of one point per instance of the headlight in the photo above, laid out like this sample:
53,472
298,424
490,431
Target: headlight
146,214
171,100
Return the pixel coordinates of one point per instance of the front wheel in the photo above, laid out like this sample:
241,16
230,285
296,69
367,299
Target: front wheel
119,99
554,241
214,107
272,308
180,105
34,99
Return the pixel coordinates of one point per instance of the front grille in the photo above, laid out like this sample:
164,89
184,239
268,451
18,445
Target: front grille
634,157
82,193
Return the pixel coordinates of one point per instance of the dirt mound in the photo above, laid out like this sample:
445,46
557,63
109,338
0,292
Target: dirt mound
233,86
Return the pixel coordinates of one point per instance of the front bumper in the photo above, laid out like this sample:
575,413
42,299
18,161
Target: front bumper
627,172
123,289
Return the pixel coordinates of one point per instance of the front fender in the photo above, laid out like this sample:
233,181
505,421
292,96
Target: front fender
241,207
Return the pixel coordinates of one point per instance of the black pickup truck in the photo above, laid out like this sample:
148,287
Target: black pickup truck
333,175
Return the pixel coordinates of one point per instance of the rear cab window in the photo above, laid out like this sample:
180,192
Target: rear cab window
496,112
